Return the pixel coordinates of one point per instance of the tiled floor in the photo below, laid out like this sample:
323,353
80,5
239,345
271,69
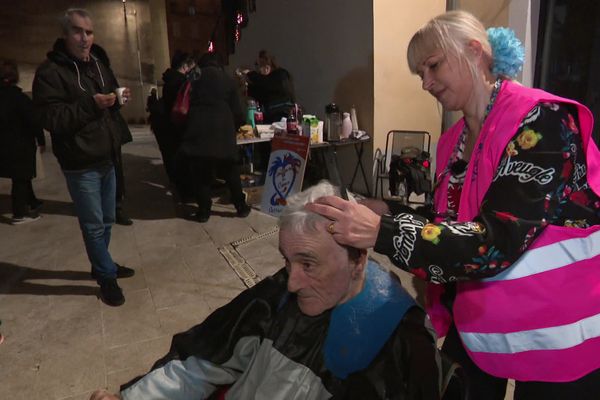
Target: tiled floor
61,341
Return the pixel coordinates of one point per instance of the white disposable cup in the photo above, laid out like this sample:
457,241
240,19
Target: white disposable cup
122,99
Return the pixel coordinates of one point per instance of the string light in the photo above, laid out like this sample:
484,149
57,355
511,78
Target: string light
237,33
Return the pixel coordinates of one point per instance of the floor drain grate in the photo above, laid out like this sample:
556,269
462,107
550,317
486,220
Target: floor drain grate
238,263
252,238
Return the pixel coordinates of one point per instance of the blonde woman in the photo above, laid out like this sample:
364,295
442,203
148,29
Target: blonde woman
510,251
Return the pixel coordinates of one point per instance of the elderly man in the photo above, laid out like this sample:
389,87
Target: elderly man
329,325
73,92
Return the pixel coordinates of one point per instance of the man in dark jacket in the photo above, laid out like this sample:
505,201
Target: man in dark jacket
330,325
74,96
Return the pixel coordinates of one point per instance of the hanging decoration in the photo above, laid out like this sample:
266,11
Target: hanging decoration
236,13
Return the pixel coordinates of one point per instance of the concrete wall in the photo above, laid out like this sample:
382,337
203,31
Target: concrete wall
328,48
160,41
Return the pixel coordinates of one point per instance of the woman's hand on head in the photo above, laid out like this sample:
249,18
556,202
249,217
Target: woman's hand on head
352,224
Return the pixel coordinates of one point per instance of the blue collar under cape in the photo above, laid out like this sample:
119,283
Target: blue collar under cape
359,328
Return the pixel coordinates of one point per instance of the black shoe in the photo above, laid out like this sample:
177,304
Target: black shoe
36,205
243,211
122,218
124,272
201,216
110,293
32,216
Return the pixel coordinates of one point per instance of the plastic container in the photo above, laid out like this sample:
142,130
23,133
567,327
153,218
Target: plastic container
346,126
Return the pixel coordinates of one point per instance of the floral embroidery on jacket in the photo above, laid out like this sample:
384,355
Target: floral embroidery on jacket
528,139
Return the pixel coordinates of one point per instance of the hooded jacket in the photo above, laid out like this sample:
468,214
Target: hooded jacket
83,136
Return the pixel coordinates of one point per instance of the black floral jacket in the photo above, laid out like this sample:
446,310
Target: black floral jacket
519,203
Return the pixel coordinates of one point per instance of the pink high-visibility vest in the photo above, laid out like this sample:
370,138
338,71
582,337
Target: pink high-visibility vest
540,319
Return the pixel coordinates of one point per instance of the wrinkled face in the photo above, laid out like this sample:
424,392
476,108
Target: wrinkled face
447,80
80,37
320,272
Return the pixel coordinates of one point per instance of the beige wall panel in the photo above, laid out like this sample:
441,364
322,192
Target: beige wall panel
399,101
490,12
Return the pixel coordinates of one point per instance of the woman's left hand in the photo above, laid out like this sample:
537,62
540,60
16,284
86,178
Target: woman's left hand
352,224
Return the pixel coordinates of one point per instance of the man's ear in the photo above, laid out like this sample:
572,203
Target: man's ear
360,264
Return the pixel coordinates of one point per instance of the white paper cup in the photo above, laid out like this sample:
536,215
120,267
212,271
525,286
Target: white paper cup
122,99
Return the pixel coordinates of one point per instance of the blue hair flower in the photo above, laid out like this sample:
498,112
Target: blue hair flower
507,51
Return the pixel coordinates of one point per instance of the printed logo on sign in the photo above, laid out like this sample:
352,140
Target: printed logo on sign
525,171
404,243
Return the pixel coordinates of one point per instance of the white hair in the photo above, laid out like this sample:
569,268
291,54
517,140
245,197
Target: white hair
296,218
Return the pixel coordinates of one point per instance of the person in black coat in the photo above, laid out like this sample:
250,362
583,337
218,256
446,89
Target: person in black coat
271,86
168,134
209,139
18,137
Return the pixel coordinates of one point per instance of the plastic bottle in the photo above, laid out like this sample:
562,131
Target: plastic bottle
292,123
346,126
353,119
250,113
258,115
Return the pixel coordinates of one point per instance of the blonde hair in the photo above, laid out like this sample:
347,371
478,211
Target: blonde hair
451,33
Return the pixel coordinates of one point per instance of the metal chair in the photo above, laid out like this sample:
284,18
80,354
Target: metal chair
398,144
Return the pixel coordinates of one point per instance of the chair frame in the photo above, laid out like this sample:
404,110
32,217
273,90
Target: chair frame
383,162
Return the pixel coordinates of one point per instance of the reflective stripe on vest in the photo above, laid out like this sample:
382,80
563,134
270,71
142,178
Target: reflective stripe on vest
554,338
550,257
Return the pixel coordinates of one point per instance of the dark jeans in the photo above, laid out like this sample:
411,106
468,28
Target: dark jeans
488,387
203,173
22,197
93,194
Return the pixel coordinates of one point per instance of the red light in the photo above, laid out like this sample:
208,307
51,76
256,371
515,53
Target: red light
426,163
